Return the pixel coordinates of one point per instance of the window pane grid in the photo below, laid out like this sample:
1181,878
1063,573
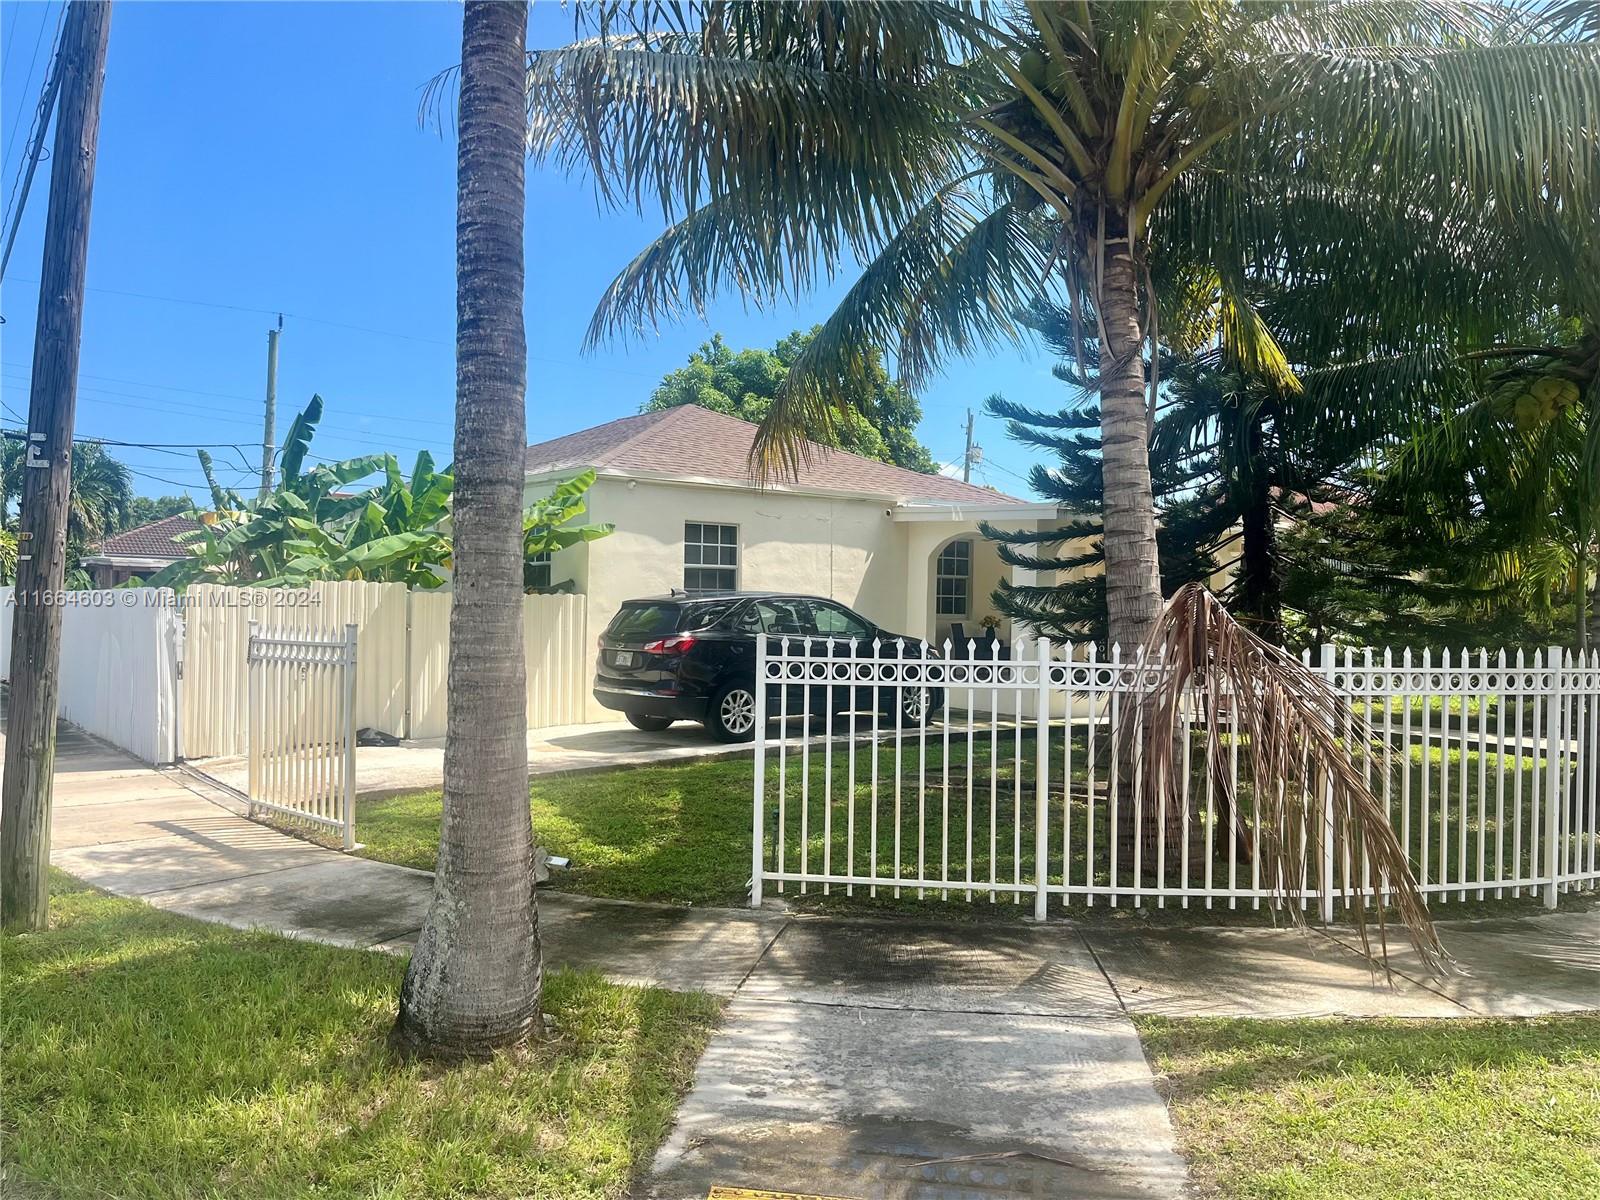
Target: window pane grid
710,557
538,574
952,582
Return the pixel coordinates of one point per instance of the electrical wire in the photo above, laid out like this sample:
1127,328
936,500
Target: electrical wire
356,436
33,65
16,368
368,329
35,146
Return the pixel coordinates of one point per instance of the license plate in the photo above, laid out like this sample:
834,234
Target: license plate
624,658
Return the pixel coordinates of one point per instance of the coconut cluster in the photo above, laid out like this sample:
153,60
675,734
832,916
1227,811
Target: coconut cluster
1543,400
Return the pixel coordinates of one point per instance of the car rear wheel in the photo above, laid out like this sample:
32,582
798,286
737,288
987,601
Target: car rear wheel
731,715
910,707
648,723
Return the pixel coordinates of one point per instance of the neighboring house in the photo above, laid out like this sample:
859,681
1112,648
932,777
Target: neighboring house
900,547
138,553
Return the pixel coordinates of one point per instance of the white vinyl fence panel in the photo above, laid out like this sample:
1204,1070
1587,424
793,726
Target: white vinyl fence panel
218,621
404,648
554,641
1487,767
118,673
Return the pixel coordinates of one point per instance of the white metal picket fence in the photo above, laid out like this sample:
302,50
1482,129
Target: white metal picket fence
1487,764
302,728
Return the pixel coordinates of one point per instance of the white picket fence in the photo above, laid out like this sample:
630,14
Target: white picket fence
1030,783
301,728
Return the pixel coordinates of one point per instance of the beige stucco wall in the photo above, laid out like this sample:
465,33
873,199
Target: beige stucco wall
851,550
846,549
924,541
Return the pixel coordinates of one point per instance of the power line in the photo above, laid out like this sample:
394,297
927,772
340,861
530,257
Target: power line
168,387
390,333
16,207
176,449
160,478
11,28
27,84
356,436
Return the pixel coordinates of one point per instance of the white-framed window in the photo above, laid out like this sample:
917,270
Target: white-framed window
710,557
537,572
952,581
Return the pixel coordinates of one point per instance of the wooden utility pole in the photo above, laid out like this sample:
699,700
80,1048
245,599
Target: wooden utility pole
966,459
47,478
268,430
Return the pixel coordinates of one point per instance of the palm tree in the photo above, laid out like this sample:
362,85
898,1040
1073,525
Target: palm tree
1116,157
101,496
473,983
102,493
1510,477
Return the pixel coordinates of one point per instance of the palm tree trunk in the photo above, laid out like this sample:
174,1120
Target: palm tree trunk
1594,612
1133,578
1582,597
1133,581
1258,562
473,983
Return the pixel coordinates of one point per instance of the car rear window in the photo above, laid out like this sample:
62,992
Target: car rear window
704,616
636,621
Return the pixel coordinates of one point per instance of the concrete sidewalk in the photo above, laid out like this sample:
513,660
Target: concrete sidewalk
879,1059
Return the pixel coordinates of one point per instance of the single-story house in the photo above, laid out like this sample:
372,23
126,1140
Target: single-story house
900,547
140,552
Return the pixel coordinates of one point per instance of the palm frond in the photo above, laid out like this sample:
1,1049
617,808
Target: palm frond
1299,736
1248,343
948,283
680,119
1509,121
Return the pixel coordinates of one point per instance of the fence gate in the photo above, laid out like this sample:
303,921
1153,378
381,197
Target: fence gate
302,728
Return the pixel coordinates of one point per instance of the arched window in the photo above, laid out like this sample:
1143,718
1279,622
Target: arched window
952,582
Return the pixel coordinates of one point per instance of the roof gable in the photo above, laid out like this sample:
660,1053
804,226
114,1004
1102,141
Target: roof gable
690,442
155,540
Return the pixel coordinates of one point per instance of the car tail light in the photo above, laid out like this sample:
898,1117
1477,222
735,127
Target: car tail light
676,644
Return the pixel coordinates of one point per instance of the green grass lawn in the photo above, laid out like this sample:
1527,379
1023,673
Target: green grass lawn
681,832
147,1055
678,833
1384,1110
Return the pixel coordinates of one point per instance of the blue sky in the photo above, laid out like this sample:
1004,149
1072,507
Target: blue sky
265,158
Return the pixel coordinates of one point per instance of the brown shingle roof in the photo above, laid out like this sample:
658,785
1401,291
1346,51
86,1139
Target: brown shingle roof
694,442
154,540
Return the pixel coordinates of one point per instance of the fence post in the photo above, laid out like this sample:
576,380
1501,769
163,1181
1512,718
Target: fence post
405,683
252,718
758,817
1041,785
1328,663
350,632
1554,746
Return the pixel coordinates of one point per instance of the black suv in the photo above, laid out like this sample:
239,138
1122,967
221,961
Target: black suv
693,658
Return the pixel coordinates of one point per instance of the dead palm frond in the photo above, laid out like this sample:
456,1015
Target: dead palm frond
1300,740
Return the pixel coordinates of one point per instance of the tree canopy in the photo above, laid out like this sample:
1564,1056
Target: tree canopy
881,422
1139,164
315,526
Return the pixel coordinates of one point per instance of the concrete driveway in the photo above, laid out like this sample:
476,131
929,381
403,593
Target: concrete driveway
561,749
